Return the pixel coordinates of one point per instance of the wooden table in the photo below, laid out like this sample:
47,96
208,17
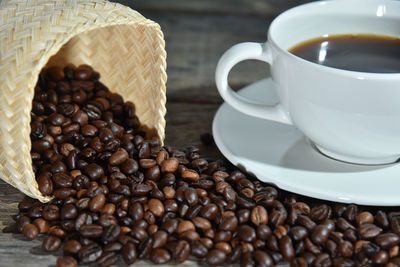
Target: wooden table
197,32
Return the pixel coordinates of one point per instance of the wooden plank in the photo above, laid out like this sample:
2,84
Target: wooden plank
194,45
236,7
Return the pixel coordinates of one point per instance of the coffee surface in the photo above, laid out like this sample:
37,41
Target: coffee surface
355,52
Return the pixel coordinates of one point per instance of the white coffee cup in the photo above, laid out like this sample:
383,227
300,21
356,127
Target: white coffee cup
348,115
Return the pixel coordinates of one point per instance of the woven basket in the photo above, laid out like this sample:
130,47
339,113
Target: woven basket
123,46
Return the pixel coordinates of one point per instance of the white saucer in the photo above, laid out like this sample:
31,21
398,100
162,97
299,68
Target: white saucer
281,155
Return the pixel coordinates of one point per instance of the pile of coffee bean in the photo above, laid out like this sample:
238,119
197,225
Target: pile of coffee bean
120,194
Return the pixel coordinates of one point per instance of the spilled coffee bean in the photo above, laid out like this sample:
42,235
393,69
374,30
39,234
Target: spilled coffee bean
119,194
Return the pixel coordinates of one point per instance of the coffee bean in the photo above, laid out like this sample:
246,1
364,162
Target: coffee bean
42,225
246,233
66,261
209,211
228,223
190,175
298,233
94,171
387,240
263,259
111,234
51,212
215,257
259,215
320,212
129,253
72,246
160,256
156,207
45,185
160,239
185,226
382,219
368,231
346,249
145,247
382,257
343,262
364,217
351,213
97,203
91,230
30,231
90,253
286,247
51,243
181,251
69,211
320,234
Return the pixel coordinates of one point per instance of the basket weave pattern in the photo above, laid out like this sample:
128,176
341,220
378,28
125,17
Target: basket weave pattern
126,48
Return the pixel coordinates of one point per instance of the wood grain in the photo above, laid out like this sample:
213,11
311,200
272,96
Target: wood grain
236,7
194,45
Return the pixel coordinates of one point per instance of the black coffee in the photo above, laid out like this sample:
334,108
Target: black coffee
356,52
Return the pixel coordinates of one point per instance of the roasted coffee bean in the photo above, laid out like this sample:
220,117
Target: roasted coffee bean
45,185
263,259
169,165
286,248
228,223
198,249
67,261
215,257
181,251
382,257
51,243
343,224
90,253
364,217
130,166
246,233
69,211
298,233
129,253
160,239
72,246
145,247
259,215
42,225
51,212
139,233
351,213
368,231
30,231
320,234
345,249
320,212
156,207
160,256
91,230
387,240
111,234
97,203
94,171
209,211
382,219
343,262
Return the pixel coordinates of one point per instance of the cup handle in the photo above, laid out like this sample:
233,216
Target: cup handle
230,58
